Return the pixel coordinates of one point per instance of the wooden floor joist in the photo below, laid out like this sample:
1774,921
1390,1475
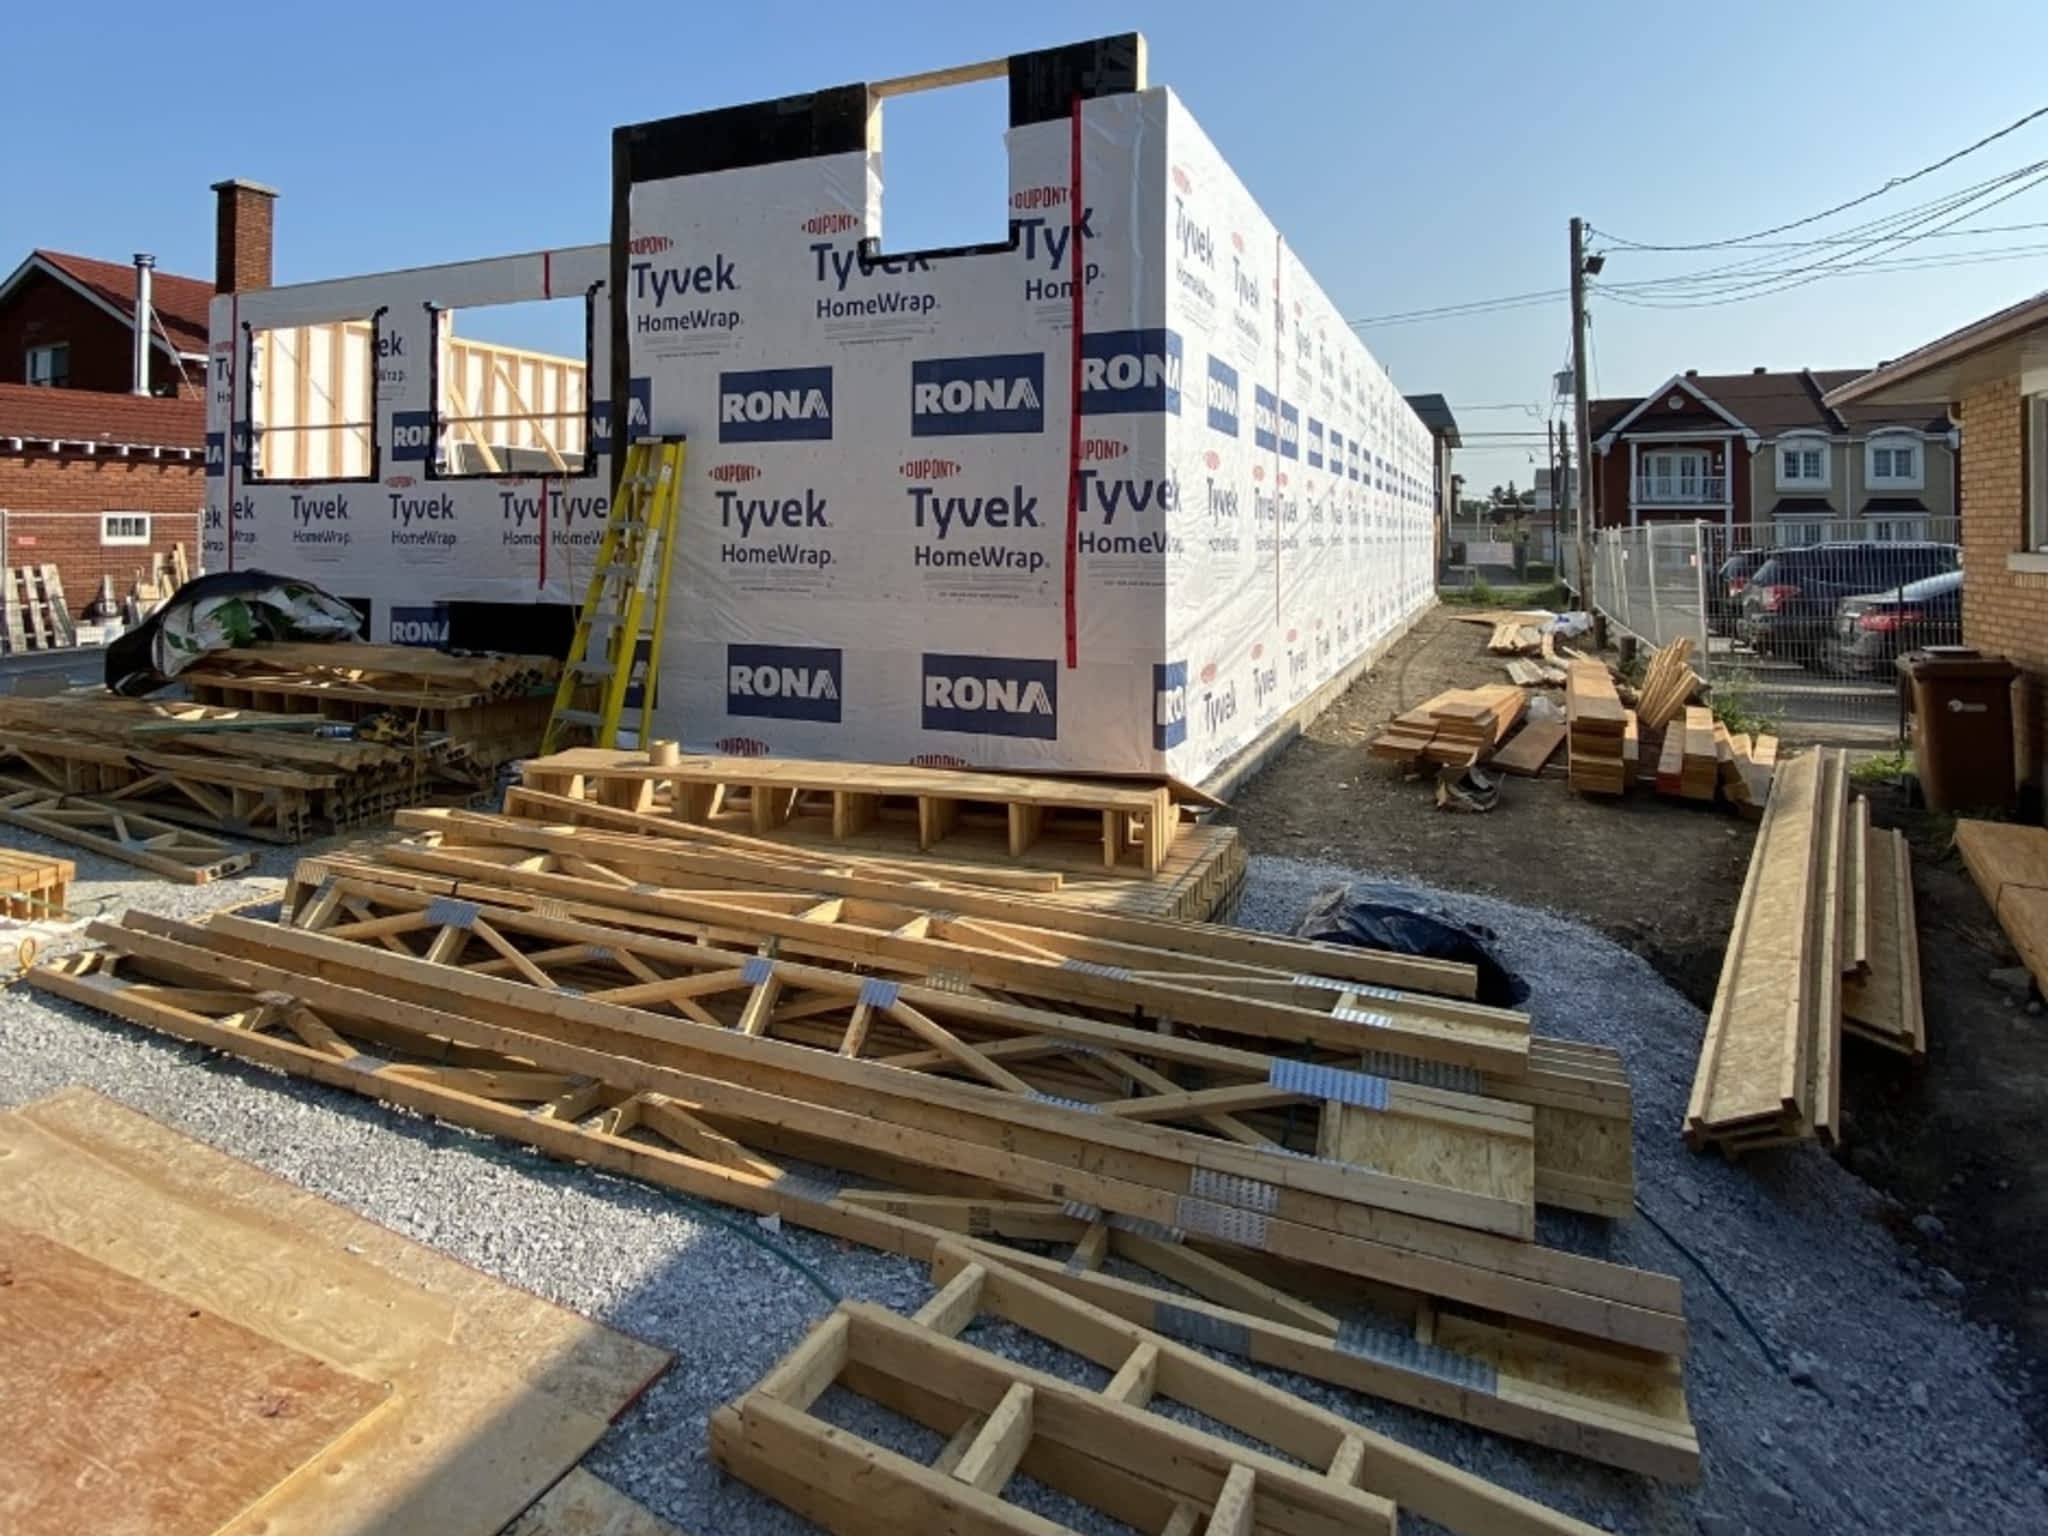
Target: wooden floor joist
1619,1405
1769,1069
162,847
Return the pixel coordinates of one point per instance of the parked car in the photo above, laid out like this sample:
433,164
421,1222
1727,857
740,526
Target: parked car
1724,593
1788,608
1874,627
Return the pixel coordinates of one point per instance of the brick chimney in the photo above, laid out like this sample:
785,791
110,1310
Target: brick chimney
241,239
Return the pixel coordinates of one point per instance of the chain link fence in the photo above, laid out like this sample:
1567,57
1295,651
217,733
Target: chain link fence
1798,621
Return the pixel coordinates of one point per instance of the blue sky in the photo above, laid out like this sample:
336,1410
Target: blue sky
1415,155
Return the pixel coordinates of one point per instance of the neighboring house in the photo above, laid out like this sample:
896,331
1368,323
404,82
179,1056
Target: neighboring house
1994,373
1435,412
95,475
1765,453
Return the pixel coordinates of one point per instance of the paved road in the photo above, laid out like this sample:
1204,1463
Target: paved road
52,671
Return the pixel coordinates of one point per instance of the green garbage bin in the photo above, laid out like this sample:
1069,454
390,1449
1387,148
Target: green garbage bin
1961,702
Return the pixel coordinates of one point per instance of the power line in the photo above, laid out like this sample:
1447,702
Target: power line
1472,306
1828,213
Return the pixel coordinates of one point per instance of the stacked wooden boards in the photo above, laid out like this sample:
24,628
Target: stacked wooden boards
891,1060
34,886
33,613
1056,823
487,708
1287,1466
282,1366
2010,865
1456,728
1689,764
1824,940
1599,730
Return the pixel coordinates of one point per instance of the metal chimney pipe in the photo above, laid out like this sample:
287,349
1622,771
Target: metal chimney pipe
145,319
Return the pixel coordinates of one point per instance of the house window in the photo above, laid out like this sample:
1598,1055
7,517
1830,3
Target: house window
511,389
1802,464
1895,464
312,401
124,527
48,367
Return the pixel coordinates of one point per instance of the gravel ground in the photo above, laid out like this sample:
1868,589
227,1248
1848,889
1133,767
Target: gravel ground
1882,1410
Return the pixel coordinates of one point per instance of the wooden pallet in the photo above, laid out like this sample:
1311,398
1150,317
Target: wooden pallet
1617,1406
401,1391
34,886
1769,1068
175,852
37,617
1121,828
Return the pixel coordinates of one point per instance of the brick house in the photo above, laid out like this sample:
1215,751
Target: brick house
1994,374
100,469
1763,451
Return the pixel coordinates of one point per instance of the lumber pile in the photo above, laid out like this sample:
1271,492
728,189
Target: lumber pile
280,1363
1535,674
152,588
910,1058
2010,867
33,886
33,613
235,771
1456,728
490,709
1824,941
1596,725
1690,763
1511,637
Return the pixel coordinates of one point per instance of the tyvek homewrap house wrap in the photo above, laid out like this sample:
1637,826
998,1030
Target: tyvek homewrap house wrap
899,538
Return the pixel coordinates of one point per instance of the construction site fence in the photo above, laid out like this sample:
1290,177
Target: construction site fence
1807,641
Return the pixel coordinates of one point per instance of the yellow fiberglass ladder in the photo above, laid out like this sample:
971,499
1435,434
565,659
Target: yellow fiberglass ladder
616,644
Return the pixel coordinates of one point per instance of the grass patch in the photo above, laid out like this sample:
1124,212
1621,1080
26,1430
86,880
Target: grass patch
1883,767
1484,594
1735,705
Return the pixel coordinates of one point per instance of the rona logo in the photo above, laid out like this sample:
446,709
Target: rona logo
419,626
784,682
775,405
1169,704
992,696
965,396
1125,372
1222,397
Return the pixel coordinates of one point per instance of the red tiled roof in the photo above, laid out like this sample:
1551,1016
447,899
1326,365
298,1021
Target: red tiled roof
87,415
180,302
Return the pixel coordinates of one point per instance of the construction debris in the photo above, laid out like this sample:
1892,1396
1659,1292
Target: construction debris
1465,789
2010,865
1536,674
1457,728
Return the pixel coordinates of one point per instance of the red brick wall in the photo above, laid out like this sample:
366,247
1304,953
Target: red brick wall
43,312
50,508
2003,610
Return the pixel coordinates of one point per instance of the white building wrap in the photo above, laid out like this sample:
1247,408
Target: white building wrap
874,562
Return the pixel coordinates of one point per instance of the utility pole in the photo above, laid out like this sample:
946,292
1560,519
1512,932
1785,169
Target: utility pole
1581,410
1558,480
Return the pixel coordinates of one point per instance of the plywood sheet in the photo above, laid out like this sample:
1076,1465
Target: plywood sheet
1533,746
126,1411
2000,854
582,1505
1883,1003
497,1392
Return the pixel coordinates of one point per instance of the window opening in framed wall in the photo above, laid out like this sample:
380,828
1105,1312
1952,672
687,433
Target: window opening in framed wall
934,140
47,367
512,389
124,528
312,401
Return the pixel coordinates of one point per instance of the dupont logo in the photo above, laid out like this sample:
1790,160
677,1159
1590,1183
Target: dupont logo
929,469
1183,183
1212,460
1097,450
837,222
937,760
1030,199
419,626
1222,397
1208,673
398,482
992,695
650,245
784,682
741,746
1125,372
1169,704
1237,242
970,396
775,405
735,474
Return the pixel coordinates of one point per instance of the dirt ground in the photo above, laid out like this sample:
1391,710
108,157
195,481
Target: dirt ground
1957,1139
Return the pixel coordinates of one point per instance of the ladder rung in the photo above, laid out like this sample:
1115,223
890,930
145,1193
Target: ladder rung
580,716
